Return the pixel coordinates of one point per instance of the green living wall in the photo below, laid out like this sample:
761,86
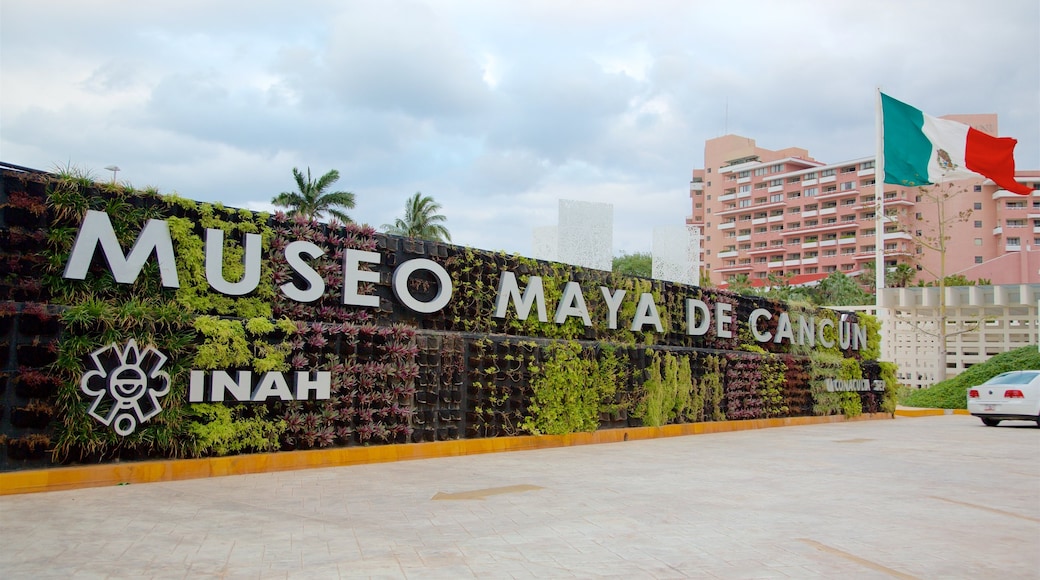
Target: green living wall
397,376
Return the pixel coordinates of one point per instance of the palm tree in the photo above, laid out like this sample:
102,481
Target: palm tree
311,201
421,220
901,276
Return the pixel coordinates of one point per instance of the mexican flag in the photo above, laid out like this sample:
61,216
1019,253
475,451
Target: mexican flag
920,149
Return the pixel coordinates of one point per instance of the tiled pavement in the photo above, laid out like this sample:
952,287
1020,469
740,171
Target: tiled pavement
930,497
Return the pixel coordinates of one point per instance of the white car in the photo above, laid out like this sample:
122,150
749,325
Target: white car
1010,396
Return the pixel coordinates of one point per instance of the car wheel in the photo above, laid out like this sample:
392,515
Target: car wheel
990,422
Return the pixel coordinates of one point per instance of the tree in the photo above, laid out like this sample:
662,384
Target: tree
637,264
421,220
837,289
934,236
740,284
312,201
901,276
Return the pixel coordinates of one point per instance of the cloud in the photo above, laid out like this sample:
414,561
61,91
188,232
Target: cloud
497,109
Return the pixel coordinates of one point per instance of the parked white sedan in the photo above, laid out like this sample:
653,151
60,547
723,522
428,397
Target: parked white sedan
1009,396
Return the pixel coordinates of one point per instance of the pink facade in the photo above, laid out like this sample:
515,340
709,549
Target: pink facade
782,212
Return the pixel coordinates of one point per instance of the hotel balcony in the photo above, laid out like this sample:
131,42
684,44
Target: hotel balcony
898,201
730,254
998,231
770,250
898,236
1005,194
837,194
727,225
728,269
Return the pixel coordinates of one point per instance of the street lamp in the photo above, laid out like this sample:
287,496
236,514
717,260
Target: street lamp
114,169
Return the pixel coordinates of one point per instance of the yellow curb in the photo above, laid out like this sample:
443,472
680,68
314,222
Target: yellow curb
916,412
82,476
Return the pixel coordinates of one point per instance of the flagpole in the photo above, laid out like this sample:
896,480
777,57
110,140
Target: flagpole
879,198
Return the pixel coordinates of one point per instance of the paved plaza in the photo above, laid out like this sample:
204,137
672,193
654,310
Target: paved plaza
927,497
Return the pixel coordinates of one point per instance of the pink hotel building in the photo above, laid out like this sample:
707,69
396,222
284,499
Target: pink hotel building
782,212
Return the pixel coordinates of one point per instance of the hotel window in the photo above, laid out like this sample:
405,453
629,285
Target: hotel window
744,188
978,223
867,165
848,185
849,169
779,167
794,209
978,205
978,259
829,189
776,197
978,241
745,203
867,182
978,188
809,176
1014,242
828,172
761,171
810,192
776,183
743,174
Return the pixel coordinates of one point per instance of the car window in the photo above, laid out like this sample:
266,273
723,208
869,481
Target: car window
1013,378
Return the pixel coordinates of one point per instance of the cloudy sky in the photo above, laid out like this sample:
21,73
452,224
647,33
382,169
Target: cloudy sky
497,109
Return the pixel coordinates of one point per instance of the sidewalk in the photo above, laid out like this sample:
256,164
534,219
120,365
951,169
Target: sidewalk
925,497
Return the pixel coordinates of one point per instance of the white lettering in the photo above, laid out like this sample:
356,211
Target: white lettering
315,284
215,264
723,320
572,304
693,308
824,340
646,313
97,230
404,295
509,290
783,328
353,276
613,304
753,323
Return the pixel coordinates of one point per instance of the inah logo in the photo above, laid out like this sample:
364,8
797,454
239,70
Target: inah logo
126,385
